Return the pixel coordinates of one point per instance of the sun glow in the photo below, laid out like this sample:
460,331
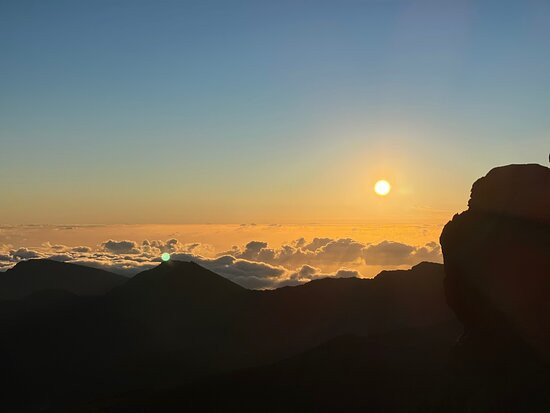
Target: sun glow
382,187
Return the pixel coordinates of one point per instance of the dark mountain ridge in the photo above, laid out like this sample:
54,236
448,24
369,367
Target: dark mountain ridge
178,321
31,276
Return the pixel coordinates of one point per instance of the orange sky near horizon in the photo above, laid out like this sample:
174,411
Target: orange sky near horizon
215,239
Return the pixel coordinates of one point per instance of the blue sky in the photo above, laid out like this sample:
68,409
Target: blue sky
174,111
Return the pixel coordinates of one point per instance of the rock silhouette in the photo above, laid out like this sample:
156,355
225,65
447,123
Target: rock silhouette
497,265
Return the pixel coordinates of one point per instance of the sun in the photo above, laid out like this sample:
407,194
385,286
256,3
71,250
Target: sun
165,257
382,187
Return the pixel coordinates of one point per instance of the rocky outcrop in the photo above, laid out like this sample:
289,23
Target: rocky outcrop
497,259
521,191
497,265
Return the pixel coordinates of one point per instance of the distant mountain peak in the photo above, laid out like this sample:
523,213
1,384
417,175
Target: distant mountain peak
179,279
180,265
32,276
49,264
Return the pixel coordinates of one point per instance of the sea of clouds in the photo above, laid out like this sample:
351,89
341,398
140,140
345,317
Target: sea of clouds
254,265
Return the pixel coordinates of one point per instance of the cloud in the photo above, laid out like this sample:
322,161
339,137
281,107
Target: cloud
119,266
298,253
308,273
430,252
24,254
56,247
61,257
252,249
396,253
255,265
341,250
316,243
81,249
343,273
121,247
250,274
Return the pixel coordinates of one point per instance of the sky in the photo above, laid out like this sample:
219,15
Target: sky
263,112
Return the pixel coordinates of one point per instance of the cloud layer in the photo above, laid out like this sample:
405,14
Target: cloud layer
254,265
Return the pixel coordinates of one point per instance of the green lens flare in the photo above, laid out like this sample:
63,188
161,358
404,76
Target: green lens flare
165,256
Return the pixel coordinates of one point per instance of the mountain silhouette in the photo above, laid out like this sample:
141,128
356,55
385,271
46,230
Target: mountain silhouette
179,322
31,276
394,372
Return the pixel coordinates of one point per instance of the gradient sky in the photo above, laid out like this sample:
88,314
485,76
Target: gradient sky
229,112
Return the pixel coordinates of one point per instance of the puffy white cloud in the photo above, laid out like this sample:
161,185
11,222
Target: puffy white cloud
396,253
308,273
298,253
121,247
340,250
255,265
250,274
24,254
252,249
315,244
119,266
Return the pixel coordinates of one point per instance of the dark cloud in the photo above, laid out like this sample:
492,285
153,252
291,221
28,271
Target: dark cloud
82,249
252,249
346,273
121,247
61,257
307,271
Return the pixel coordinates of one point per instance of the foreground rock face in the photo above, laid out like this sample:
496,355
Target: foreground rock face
497,264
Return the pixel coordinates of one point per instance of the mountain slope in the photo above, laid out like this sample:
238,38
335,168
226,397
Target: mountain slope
32,276
179,322
401,371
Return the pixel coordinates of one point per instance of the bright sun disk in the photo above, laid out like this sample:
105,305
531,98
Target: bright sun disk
382,187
